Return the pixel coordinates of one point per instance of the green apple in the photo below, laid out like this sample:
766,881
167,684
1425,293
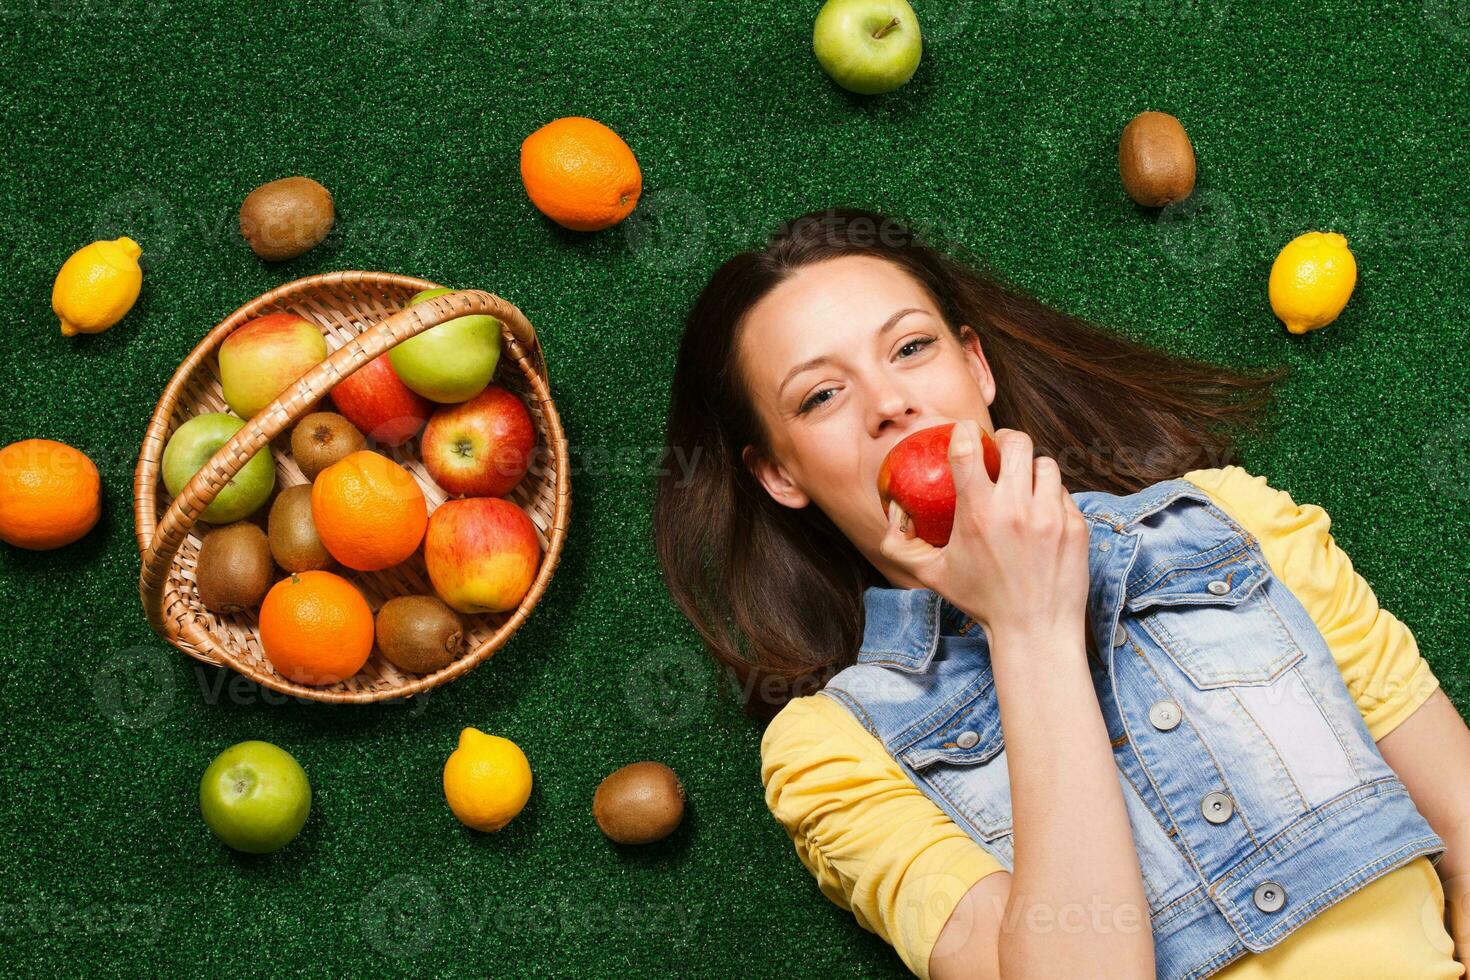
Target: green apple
194,443
868,46
452,362
255,797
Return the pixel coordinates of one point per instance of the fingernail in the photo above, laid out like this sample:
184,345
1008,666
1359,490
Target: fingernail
959,441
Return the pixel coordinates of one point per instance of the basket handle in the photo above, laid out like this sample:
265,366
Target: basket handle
297,401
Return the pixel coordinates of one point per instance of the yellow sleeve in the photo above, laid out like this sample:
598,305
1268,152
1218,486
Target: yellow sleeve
875,843
1376,653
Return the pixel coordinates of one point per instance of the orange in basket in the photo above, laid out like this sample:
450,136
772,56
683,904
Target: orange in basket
316,628
368,511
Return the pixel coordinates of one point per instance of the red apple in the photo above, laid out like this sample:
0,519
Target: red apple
482,554
265,356
482,447
916,473
385,409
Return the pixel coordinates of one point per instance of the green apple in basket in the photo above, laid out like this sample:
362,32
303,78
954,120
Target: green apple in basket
452,362
194,443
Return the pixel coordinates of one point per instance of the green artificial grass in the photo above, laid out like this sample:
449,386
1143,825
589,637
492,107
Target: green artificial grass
154,119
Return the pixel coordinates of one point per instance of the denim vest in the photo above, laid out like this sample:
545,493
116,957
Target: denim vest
1255,794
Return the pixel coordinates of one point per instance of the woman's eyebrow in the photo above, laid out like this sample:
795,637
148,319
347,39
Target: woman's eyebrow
888,325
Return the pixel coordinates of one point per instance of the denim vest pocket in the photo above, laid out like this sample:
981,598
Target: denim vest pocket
960,753
1210,616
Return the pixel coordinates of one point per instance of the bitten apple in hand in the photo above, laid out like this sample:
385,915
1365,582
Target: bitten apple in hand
916,473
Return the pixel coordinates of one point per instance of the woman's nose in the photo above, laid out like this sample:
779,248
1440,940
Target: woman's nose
891,405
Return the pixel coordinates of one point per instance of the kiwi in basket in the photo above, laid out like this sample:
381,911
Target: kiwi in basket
419,634
292,533
235,570
321,439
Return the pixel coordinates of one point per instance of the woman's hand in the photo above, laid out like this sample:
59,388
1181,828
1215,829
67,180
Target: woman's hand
1016,559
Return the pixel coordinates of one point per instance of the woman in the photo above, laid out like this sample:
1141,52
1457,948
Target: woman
1138,717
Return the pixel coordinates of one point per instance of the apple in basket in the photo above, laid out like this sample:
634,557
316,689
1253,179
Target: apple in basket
482,554
482,447
383,408
916,473
264,357
452,362
194,443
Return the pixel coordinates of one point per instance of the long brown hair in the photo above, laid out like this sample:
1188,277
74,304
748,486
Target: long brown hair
777,594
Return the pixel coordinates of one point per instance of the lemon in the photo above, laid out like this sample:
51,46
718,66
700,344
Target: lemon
97,286
1311,280
487,780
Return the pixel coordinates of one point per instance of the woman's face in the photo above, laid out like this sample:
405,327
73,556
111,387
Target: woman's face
843,359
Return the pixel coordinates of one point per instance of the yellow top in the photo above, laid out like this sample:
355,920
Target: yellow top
881,848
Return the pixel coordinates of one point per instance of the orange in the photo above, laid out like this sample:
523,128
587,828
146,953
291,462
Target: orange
316,628
580,174
369,511
50,494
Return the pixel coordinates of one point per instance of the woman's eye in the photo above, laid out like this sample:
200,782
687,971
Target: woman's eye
917,344
816,399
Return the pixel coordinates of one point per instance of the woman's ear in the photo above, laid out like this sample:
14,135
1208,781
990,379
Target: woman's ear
979,366
774,478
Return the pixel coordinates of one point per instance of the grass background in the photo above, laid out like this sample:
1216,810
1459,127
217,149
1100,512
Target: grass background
154,118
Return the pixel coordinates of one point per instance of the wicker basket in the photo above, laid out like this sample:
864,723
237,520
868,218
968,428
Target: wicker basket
362,316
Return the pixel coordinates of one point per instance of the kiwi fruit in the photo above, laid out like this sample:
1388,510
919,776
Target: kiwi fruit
640,803
234,570
419,634
1156,160
286,218
322,438
292,533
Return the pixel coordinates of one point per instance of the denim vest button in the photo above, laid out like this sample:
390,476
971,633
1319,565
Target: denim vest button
1269,896
967,740
1164,715
1216,807
1120,636
1218,587
1105,546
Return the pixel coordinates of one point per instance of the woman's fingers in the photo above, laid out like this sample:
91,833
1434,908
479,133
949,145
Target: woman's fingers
1015,464
966,460
1046,477
900,523
901,542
